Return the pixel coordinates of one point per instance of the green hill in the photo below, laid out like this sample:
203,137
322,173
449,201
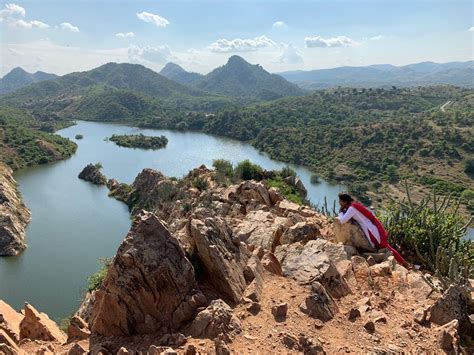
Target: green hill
239,78
25,141
18,78
176,73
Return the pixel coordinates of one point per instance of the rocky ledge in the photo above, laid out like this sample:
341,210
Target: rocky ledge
91,173
239,269
14,216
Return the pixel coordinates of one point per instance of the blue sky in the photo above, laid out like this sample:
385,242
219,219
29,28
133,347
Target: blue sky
65,36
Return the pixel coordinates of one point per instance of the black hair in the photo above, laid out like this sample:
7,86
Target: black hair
345,197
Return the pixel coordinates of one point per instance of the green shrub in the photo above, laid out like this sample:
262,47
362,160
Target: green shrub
432,234
289,192
469,167
200,183
95,280
223,167
246,170
286,172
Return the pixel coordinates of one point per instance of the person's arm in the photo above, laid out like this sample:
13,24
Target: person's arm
345,217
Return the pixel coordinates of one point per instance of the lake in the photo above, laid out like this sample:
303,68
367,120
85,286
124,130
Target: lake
74,223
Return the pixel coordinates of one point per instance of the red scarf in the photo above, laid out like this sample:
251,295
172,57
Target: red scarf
370,216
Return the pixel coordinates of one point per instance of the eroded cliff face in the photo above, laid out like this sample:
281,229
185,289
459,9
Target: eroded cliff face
14,216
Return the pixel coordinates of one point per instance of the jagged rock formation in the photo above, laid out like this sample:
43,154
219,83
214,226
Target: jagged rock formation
92,174
206,270
150,286
14,216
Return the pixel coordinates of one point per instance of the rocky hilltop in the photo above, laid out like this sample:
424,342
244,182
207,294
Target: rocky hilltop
211,268
14,216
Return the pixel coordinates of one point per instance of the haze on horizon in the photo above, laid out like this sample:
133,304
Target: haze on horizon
62,37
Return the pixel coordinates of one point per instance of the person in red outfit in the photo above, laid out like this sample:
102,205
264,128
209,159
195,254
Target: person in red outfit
371,226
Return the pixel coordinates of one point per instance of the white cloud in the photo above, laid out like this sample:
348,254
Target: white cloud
289,55
279,24
66,26
125,35
29,24
14,15
377,38
339,41
157,20
149,54
241,45
12,10
471,29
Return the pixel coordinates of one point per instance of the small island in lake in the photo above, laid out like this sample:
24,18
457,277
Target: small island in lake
139,141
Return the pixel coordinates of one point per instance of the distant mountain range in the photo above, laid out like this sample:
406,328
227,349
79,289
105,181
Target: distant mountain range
384,75
18,78
237,78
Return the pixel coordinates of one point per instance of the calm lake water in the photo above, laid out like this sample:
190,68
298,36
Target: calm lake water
74,223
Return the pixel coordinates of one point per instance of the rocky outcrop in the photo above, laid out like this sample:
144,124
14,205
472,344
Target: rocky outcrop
38,326
92,174
14,216
223,257
319,304
77,329
216,320
309,263
150,286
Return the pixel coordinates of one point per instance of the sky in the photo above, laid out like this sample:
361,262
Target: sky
76,35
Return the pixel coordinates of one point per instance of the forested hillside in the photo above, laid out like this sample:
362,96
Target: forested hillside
25,141
366,138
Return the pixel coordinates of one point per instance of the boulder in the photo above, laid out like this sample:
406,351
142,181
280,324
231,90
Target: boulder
250,190
14,215
149,288
308,263
38,326
77,329
216,320
260,228
300,232
351,234
280,310
453,304
92,174
223,258
319,304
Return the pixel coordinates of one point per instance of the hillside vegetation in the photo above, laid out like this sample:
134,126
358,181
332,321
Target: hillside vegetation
25,141
366,138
